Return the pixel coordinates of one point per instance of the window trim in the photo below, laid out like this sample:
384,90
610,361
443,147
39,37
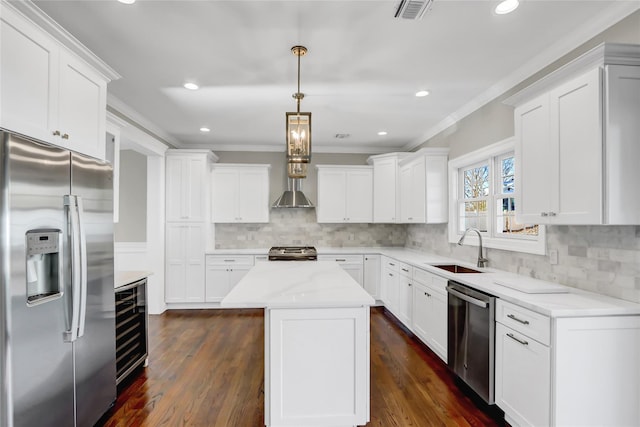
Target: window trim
532,246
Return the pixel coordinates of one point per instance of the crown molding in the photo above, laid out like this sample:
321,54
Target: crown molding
33,13
553,53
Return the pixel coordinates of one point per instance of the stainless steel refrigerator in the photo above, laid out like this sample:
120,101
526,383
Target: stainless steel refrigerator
57,310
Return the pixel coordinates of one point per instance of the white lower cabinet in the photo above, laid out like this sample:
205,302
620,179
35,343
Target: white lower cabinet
352,264
578,371
389,283
405,300
185,247
522,378
371,279
223,272
430,311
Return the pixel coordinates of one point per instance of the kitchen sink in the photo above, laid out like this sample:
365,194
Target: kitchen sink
455,268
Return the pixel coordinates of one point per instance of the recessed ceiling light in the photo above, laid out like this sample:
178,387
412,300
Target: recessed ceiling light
191,86
382,133
205,130
507,6
422,93
127,1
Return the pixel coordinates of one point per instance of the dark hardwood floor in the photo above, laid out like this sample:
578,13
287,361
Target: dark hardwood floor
206,369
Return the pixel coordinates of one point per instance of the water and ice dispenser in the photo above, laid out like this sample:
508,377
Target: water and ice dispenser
44,265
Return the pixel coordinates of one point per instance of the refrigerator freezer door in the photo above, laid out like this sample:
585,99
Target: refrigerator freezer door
37,177
91,182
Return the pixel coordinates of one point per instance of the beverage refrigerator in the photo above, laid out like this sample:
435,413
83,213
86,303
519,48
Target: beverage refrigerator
57,314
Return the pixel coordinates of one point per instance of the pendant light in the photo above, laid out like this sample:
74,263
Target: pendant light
298,131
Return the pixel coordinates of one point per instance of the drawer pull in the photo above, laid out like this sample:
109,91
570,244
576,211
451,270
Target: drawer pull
390,274
428,294
229,260
524,322
392,264
404,269
523,342
340,260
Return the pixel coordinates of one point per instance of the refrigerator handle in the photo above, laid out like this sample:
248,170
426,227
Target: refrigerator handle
71,212
83,267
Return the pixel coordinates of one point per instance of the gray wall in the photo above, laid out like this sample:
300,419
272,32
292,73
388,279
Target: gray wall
604,259
132,225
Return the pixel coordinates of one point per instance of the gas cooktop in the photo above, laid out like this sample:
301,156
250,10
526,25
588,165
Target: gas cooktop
293,253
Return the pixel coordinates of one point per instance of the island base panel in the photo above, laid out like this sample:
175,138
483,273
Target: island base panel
317,367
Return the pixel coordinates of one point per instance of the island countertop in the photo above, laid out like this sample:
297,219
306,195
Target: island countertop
297,284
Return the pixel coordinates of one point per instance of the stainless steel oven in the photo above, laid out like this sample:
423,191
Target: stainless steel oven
471,338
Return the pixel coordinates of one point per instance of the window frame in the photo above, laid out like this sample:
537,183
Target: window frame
488,155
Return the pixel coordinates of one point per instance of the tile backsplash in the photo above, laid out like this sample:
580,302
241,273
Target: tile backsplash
299,227
602,259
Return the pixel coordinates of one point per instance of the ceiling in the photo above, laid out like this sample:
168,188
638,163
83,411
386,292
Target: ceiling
359,76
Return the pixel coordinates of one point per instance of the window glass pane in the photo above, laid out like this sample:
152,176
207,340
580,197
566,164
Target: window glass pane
474,214
476,182
506,220
507,175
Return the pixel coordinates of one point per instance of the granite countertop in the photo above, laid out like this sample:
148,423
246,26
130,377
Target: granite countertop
570,302
302,284
123,278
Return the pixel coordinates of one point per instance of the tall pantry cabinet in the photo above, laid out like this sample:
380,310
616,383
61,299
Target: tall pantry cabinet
188,228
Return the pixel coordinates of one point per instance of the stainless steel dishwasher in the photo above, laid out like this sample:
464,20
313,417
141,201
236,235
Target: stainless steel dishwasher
471,338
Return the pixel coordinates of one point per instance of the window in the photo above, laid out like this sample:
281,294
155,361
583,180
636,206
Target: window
483,196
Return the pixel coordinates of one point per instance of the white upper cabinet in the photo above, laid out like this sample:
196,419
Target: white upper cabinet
187,189
49,93
423,187
240,193
576,141
386,194
345,194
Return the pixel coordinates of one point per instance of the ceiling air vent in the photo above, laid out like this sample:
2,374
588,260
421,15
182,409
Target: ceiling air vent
412,9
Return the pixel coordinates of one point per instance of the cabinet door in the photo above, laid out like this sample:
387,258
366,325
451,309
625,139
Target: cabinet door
522,386
421,312
176,265
576,130
175,171
354,271
194,255
28,76
405,300
417,200
621,141
438,320
195,196
390,290
536,163
359,196
235,274
437,195
371,279
225,195
216,283
82,107
405,194
253,199
331,196
384,190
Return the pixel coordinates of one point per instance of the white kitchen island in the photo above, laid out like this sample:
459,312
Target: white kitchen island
316,342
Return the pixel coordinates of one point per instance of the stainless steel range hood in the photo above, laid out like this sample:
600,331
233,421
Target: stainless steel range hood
293,197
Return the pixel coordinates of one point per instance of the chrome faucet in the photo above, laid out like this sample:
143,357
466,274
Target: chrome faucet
482,261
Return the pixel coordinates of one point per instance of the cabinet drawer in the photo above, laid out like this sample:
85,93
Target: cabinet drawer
342,259
229,259
525,321
422,276
405,269
390,264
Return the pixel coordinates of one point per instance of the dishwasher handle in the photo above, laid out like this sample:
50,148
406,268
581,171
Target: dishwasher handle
467,298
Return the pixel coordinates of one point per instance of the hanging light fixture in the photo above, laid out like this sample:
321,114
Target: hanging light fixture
298,131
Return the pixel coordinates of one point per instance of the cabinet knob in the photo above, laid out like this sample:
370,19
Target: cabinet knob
56,133
409,284
65,136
